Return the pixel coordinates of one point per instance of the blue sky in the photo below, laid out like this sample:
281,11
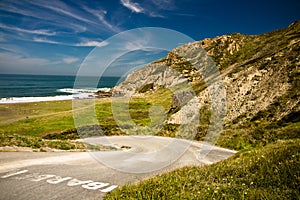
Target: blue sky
54,37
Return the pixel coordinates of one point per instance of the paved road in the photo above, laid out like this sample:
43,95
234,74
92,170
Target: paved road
89,175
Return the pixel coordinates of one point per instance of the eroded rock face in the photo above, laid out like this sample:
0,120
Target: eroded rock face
261,74
103,94
158,73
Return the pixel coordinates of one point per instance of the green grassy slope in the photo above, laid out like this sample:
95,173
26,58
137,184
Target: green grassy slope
272,172
51,124
267,164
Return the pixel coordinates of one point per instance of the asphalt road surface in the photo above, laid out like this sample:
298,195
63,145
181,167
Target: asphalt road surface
89,175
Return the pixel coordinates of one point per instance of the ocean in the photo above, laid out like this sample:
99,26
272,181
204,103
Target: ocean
33,88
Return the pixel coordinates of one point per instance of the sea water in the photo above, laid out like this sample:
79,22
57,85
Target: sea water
34,88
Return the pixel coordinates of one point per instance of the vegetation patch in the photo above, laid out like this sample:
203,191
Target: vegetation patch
257,134
271,172
38,143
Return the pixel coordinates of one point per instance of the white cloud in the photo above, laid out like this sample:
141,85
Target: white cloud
15,49
136,45
13,63
92,44
70,60
61,8
134,7
164,4
149,8
58,15
43,40
84,43
100,15
9,58
18,64
2,37
136,42
37,32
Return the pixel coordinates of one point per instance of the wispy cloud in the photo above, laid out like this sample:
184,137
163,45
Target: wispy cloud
84,43
70,60
63,9
134,7
43,40
58,16
15,63
13,49
92,44
151,8
85,14
164,4
37,32
20,62
100,15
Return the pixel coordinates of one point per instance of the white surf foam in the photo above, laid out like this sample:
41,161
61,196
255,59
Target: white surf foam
34,99
76,94
85,90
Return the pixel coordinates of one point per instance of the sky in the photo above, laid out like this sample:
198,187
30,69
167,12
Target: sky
55,37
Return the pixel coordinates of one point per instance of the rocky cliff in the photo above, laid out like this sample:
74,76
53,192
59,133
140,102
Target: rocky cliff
260,74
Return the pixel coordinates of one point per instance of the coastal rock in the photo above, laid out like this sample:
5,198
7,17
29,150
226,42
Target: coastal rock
154,74
260,74
103,94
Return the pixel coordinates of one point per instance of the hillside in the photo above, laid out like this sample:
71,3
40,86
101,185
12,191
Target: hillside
269,173
261,74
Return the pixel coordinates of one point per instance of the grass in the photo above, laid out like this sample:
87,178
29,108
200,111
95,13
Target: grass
33,119
266,166
271,172
38,125
51,124
257,134
38,143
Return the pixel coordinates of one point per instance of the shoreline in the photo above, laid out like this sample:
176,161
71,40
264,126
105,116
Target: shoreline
100,94
16,100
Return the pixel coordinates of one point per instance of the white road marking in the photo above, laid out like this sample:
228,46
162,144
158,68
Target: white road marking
75,182
41,177
95,185
58,179
53,179
14,174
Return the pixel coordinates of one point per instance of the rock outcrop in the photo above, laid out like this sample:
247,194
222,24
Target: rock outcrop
260,74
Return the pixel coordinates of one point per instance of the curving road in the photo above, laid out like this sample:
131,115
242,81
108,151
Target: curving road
89,175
